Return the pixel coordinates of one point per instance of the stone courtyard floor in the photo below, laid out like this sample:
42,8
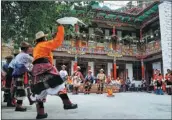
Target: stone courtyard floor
122,106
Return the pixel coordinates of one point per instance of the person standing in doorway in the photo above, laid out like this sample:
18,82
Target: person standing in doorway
63,73
101,80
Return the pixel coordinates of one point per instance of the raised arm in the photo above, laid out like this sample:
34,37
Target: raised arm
57,41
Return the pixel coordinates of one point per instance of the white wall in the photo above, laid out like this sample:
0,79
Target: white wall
157,65
165,17
92,67
130,70
54,62
72,64
110,66
119,34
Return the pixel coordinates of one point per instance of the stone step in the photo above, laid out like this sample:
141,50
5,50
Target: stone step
94,89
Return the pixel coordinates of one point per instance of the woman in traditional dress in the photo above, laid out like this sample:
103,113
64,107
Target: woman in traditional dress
109,86
168,81
159,83
89,79
47,80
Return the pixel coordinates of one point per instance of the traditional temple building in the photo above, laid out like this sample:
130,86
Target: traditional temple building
124,42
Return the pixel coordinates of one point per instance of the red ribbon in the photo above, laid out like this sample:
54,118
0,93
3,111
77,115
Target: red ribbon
25,78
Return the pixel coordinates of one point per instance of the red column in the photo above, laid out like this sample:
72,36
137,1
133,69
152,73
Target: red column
75,64
114,69
143,69
113,32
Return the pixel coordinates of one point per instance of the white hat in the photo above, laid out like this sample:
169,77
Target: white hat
78,67
101,70
63,66
40,34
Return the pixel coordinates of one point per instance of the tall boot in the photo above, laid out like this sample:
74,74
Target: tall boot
89,90
6,94
28,96
66,102
101,90
74,90
77,88
98,89
19,106
40,111
167,90
85,92
9,101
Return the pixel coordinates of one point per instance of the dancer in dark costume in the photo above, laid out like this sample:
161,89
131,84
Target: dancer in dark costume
22,65
47,80
8,71
10,82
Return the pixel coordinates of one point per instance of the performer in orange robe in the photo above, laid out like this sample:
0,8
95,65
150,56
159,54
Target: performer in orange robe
47,80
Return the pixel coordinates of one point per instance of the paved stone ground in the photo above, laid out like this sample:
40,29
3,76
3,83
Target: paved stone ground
122,106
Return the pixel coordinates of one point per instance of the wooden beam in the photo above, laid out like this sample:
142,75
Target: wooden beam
100,57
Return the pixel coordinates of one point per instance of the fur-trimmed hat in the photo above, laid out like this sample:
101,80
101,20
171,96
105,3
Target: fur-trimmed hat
25,44
63,66
9,57
78,67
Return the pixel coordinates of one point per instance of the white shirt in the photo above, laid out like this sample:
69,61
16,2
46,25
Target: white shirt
63,73
24,58
12,64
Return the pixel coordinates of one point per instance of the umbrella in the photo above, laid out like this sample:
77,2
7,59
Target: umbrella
69,20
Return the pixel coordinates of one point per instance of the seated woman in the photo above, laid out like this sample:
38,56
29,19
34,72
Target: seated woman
89,79
118,82
77,79
109,86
